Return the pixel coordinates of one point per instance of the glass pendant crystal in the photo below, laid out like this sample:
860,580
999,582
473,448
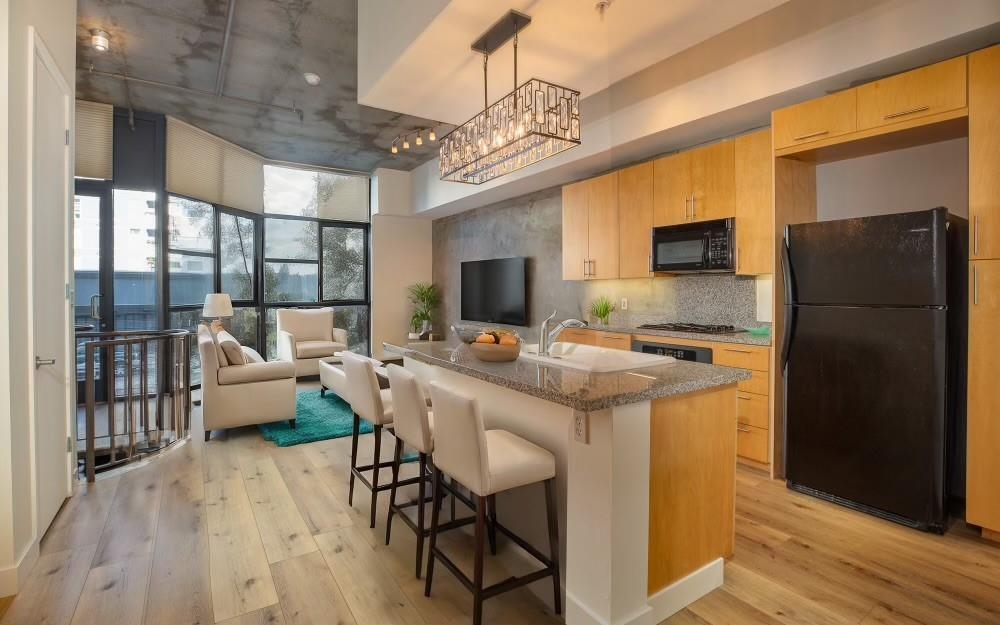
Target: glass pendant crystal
492,144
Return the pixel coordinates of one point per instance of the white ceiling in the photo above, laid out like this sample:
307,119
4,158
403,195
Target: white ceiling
433,73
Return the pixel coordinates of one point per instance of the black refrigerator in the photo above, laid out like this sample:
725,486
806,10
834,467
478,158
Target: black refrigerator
873,356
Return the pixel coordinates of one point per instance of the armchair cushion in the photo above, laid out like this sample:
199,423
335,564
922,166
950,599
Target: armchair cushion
256,372
232,349
252,355
317,349
306,324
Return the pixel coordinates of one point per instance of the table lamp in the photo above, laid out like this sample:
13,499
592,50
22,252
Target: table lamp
217,306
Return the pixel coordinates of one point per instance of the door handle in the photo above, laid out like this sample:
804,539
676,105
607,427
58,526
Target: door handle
975,236
95,306
975,285
593,267
810,135
919,109
585,268
42,362
694,207
687,208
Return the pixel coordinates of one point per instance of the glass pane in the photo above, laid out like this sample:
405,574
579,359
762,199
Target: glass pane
236,255
343,263
135,260
86,265
342,197
290,282
354,319
291,239
189,320
243,326
270,333
191,278
190,225
290,191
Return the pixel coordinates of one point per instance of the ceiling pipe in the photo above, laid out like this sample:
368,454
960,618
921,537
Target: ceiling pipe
220,77
156,83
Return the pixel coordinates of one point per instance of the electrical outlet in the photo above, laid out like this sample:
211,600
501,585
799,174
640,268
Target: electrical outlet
624,303
581,427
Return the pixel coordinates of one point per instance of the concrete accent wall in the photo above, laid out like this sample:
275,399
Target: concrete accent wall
531,226
913,179
55,22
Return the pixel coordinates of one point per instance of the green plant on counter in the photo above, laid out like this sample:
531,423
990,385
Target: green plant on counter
425,298
602,307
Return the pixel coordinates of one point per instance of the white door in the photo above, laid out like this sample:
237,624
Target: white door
49,208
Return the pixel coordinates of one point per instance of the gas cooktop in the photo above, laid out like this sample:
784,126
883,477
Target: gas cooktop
692,327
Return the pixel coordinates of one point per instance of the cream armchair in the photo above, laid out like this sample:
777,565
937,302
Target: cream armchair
243,394
307,336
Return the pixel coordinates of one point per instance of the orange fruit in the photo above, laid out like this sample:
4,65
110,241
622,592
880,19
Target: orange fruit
486,338
508,339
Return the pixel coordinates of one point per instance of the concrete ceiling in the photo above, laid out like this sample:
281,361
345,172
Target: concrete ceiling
428,69
272,42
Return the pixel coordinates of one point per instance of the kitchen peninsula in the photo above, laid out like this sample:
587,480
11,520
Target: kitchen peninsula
645,466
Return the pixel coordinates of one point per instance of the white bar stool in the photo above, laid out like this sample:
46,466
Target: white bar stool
370,403
488,462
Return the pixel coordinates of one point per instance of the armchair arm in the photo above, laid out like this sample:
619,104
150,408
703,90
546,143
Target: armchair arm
340,336
256,372
286,346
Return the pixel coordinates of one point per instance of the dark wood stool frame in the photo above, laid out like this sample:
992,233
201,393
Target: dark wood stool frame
491,526
358,471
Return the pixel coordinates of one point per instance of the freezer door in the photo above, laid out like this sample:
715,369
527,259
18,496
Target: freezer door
865,407
889,260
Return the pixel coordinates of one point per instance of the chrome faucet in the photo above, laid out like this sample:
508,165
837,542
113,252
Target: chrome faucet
545,338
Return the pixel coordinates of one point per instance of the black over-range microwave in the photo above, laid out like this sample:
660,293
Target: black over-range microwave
702,246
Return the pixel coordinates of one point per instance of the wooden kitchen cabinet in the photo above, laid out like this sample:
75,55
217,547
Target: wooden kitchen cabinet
752,443
635,221
815,120
983,487
754,166
590,228
613,340
918,93
984,153
582,336
672,189
695,185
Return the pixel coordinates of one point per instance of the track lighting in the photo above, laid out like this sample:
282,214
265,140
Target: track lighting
100,40
431,136
406,143
420,139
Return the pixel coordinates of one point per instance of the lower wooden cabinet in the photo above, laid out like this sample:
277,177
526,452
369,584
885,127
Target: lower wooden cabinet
983,488
614,340
577,335
752,443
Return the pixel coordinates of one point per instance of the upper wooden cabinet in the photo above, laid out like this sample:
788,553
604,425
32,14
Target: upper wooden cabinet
815,120
984,153
918,93
635,220
590,228
754,204
695,185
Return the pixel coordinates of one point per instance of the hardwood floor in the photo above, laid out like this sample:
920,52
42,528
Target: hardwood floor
237,531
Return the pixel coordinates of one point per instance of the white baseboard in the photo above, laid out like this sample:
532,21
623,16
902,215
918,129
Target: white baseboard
686,591
13,577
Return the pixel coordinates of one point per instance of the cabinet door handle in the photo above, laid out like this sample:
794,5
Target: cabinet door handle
919,109
975,235
687,208
737,259
586,268
694,207
818,133
742,428
738,351
650,263
975,285
744,397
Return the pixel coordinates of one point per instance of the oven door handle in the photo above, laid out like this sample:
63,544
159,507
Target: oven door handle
706,255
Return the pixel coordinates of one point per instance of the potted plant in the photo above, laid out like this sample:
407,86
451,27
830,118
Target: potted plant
602,307
425,298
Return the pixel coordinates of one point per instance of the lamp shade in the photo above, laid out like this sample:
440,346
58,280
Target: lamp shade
217,305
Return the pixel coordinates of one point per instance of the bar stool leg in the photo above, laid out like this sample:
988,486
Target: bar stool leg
553,517
477,583
421,493
354,457
392,492
434,527
491,503
378,461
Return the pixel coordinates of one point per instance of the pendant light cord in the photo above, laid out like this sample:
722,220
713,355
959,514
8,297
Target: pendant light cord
515,59
486,97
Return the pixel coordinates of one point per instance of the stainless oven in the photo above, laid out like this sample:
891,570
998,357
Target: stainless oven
704,246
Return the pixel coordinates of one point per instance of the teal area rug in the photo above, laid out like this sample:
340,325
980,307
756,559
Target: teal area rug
317,418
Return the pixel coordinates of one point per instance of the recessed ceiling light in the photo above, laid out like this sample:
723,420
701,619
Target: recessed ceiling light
100,40
311,78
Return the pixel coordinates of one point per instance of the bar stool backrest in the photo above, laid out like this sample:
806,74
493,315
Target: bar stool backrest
460,438
409,410
362,386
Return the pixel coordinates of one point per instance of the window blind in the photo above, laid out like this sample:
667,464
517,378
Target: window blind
94,140
208,168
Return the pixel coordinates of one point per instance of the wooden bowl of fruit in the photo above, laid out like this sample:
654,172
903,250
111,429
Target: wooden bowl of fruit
496,346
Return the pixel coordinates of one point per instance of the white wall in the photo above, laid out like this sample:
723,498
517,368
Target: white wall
55,22
917,178
401,256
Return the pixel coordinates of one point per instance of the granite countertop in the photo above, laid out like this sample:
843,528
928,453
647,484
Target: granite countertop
577,389
743,338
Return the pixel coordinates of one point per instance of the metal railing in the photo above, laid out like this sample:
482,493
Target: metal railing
146,403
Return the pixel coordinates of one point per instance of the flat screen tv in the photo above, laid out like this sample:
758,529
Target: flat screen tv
493,291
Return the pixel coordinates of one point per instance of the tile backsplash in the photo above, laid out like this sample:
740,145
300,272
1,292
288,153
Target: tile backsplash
531,226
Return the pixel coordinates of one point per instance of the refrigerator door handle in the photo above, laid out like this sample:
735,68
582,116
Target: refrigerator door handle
786,338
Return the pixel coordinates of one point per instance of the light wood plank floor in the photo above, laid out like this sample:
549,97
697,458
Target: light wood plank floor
238,531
